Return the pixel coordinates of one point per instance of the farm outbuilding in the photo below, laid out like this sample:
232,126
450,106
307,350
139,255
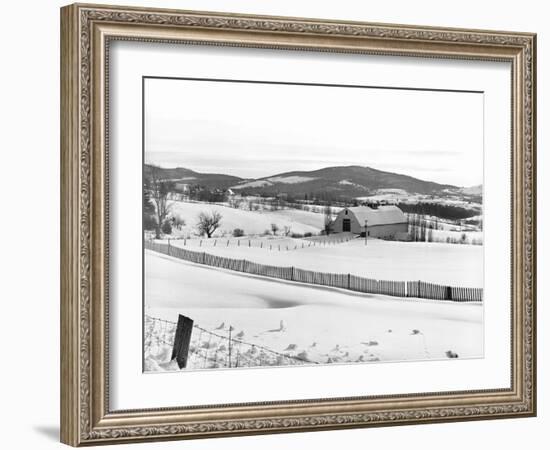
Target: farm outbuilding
381,222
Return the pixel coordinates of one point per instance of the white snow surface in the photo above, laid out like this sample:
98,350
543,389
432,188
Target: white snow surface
382,215
324,325
473,190
392,191
293,179
449,264
255,183
252,222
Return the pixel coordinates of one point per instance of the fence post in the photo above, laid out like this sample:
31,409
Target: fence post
180,352
349,280
448,294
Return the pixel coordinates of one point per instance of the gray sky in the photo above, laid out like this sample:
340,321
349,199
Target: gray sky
256,130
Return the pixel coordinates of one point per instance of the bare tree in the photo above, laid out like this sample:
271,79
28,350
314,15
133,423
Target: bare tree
149,212
179,222
158,190
208,223
328,218
274,228
287,229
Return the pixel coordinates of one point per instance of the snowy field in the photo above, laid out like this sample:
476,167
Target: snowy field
320,324
251,222
449,264
294,221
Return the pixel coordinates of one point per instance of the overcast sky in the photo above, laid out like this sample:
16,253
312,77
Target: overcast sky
256,130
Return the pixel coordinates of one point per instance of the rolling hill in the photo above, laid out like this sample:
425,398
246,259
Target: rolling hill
348,181
211,180
340,181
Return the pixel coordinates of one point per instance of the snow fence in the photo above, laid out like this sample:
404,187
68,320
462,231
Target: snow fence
414,289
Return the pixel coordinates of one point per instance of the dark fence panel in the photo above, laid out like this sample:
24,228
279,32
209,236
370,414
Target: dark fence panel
467,294
433,291
418,289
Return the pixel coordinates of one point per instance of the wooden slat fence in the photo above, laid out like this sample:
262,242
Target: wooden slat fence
459,294
338,280
415,289
284,273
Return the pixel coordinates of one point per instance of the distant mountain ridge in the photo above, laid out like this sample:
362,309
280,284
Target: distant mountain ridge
349,181
181,174
345,181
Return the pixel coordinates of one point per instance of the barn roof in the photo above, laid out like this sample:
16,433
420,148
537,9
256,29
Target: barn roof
382,215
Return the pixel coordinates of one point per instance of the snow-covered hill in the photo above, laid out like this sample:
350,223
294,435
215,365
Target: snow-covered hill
325,324
448,264
252,222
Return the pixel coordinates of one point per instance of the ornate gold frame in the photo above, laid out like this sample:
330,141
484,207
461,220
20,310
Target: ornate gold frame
85,33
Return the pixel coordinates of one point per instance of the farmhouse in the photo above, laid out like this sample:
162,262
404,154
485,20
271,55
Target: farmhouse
381,222
181,187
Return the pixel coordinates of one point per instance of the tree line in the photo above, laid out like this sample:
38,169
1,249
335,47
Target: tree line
450,212
156,208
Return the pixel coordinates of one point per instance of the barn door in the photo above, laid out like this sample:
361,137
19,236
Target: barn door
346,225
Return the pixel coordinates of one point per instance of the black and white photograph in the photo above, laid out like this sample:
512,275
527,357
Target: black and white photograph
243,225
289,223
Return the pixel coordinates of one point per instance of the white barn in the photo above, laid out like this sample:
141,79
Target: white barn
381,222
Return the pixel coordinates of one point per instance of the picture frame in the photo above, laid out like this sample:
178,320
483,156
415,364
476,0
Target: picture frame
87,32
